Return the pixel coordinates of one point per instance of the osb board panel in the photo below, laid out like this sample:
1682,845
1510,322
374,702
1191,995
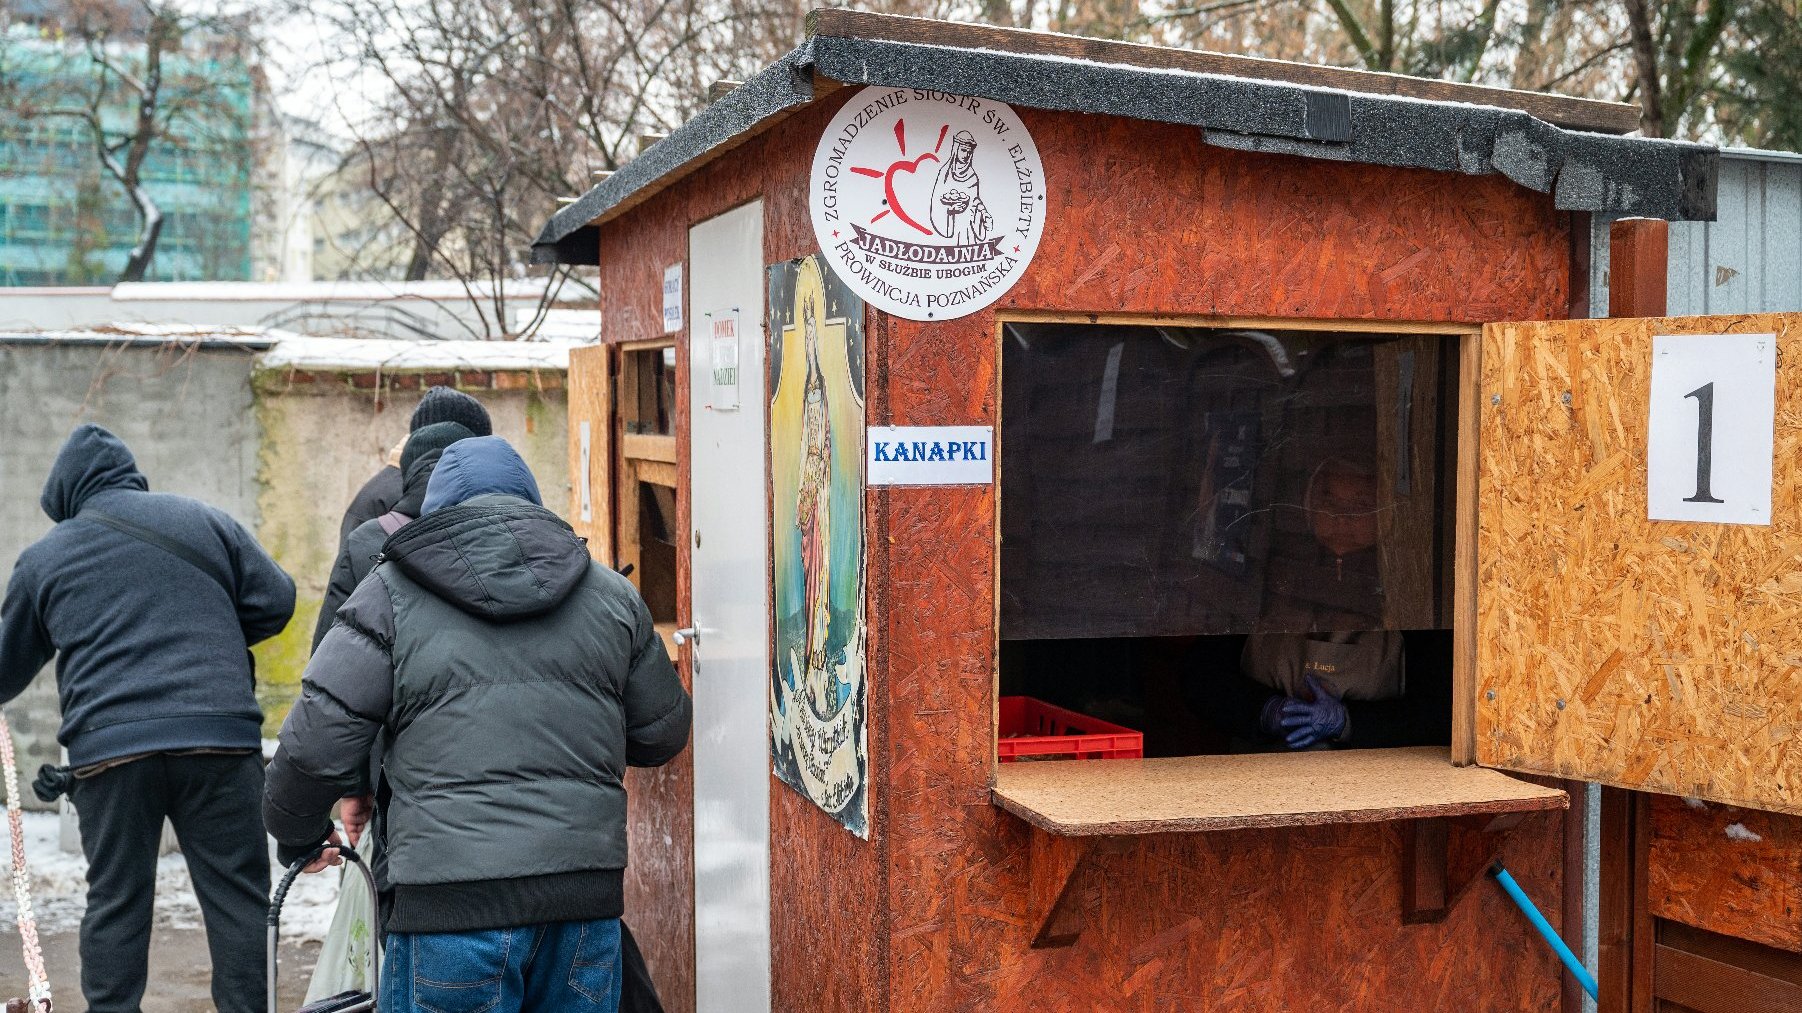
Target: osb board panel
1144,218
825,885
1652,655
589,402
1080,798
1734,871
1296,919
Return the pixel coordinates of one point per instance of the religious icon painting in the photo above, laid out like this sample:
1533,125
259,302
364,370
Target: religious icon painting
819,705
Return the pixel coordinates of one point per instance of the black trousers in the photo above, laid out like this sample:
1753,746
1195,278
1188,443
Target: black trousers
215,804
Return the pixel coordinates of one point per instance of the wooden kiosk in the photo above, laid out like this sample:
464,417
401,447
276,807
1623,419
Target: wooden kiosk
1058,438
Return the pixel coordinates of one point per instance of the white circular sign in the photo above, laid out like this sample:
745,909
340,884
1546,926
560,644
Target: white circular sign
927,205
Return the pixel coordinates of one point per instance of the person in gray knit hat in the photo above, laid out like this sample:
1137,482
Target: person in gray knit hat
383,490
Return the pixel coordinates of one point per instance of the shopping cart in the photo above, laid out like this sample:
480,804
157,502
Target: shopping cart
354,1001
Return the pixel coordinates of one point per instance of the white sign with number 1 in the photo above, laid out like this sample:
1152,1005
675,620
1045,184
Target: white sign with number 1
1711,428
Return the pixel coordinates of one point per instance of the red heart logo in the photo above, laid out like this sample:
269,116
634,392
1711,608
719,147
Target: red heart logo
888,188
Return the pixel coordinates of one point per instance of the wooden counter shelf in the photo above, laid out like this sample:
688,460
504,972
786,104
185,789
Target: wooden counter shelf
1101,798
1457,815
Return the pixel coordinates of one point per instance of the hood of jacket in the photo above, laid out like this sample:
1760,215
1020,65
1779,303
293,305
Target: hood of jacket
469,468
92,460
494,556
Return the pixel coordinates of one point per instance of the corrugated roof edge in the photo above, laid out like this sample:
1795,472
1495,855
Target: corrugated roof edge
1584,171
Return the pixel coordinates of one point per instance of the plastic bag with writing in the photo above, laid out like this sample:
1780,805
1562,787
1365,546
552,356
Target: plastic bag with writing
345,955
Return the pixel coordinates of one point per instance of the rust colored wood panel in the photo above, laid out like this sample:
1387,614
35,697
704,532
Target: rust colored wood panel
1707,985
1737,872
590,403
1086,798
932,913
1576,113
826,887
1637,267
1641,654
1145,219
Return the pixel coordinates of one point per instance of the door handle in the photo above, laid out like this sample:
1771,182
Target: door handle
687,633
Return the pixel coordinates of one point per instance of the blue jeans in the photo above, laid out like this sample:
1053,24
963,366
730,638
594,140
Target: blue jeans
550,968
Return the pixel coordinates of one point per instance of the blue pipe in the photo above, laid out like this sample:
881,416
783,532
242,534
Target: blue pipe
1550,934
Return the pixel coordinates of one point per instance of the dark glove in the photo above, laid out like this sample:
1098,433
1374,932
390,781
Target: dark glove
1310,722
52,782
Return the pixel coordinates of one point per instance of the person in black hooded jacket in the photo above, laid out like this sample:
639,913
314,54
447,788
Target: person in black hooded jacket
356,554
149,602
510,680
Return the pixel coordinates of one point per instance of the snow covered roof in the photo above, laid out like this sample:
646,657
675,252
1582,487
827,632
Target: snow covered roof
323,291
296,351
277,349
248,339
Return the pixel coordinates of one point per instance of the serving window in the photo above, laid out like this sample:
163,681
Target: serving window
1202,525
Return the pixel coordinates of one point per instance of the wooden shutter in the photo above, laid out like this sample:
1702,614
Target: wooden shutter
591,411
1655,655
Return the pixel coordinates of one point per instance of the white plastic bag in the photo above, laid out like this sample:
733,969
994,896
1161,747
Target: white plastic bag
344,957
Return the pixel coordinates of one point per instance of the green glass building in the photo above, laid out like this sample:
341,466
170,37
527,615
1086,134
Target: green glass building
64,220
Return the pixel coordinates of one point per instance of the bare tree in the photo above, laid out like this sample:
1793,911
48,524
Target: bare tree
1676,57
130,73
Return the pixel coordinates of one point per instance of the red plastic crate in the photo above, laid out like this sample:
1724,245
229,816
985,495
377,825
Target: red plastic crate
1032,729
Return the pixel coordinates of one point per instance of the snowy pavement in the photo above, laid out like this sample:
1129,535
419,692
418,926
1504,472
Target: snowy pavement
59,892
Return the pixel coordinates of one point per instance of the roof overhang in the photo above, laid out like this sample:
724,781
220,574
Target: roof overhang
1583,170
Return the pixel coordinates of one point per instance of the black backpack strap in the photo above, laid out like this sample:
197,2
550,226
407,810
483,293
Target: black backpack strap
165,543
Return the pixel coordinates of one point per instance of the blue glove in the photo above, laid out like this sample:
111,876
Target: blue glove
1270,719
1310,722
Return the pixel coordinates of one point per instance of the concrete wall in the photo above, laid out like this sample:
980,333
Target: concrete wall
185,412
323,438
282,451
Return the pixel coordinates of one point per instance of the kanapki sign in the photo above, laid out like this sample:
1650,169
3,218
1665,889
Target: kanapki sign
928,205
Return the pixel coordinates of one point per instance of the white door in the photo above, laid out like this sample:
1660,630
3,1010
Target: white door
730,595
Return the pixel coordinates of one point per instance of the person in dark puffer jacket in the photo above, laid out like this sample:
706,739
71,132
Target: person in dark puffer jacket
160,714
356,555
511,680
386,487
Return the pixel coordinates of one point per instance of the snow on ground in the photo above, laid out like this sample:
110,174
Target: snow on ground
59,890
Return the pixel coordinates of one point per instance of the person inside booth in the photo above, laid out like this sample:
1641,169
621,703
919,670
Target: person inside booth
1346,682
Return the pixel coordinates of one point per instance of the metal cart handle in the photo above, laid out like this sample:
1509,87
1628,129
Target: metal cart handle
280,897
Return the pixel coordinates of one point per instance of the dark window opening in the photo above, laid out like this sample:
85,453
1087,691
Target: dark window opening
1200,525
657,550
648,395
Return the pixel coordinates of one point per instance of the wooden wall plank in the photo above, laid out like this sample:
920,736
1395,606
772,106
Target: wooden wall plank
1641,654
1464,555
1736,872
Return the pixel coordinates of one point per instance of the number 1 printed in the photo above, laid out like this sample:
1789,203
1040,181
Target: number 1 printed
1704,396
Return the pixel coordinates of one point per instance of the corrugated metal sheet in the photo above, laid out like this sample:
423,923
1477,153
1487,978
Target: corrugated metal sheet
1749,260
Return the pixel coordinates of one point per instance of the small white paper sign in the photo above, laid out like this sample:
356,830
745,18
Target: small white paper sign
585,434
930,455
1711,428
723,328
672,298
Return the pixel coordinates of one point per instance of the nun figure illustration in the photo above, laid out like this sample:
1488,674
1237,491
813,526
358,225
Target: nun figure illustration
958,213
